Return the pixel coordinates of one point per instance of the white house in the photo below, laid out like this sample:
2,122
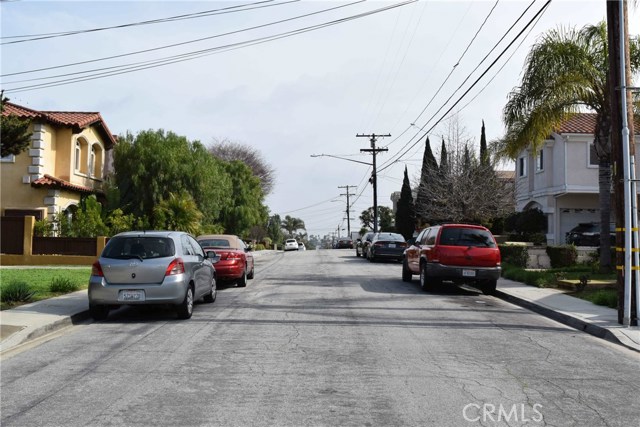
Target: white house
561,179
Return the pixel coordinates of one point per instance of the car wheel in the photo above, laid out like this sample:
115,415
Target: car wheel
406,273
98,312
423,276
185,309
489,287
211,296
242,281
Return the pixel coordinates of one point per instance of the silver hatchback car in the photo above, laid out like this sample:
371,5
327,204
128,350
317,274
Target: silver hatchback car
152,267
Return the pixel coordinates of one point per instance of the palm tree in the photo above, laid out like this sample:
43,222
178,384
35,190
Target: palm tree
291,225
178,212
565,73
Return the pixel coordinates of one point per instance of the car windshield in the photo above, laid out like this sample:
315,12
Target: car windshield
214,243
126,247
466,237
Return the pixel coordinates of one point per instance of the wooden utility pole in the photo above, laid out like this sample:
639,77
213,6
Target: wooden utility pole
614,19
374,177
348,206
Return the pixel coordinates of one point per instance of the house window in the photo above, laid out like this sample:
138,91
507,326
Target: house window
540,161
92,161
522,167
8,159
593,155
77,156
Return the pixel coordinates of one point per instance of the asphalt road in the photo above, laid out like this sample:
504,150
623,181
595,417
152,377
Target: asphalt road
325,338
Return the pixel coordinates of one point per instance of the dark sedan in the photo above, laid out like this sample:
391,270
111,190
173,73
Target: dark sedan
386,246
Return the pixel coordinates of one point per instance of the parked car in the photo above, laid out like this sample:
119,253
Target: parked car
588,234
152,267
291,245
301,247
344,243
236,260
461,253
386,246
362,245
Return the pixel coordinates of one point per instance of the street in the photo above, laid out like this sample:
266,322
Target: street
325,338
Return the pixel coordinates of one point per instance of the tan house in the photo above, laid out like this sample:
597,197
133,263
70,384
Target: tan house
69,157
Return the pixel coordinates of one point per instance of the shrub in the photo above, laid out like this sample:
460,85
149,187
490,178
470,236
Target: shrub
605,297
562,256
514,254
62,285
259,247
16,291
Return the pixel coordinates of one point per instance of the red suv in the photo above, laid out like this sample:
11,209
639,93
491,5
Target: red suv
461,253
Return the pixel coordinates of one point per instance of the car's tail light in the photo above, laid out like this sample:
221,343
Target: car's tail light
96,269
378,244
402,244
176,267
233,255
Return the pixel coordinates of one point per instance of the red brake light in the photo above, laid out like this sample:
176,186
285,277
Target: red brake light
234,255
176,267
96,269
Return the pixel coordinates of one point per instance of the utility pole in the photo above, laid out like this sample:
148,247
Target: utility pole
348,206
622,153
374,177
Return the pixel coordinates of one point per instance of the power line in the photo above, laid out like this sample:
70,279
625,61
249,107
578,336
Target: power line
203,14
190,55
392,161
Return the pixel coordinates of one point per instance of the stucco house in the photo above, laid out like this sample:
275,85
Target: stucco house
69,157
561,179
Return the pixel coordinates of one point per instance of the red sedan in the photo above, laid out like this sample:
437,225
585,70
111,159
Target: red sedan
236,260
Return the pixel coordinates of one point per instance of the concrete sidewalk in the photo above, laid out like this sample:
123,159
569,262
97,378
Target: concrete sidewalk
25,323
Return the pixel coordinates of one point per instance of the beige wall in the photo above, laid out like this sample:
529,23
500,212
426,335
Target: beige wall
51,152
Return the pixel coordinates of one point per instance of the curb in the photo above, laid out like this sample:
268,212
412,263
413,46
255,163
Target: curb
565,319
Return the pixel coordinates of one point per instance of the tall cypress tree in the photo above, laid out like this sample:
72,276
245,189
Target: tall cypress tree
444,160
405,213
429,170
484,154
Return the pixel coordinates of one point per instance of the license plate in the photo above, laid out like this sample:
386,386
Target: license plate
468,273
392,245
129,295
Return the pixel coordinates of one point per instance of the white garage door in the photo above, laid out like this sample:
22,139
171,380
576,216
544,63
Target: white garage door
569,218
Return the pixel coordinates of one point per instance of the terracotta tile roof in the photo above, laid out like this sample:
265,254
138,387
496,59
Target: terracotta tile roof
586,123
73,119
49,181
579,123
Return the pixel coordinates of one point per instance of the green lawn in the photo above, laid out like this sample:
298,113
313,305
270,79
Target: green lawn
40,279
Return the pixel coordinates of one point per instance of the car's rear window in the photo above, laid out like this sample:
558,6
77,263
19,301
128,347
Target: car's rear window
466,237
391,237
215,243
139,247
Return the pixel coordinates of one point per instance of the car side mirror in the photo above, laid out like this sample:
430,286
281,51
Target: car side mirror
248,249
213,257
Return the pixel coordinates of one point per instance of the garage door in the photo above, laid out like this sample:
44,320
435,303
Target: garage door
569,218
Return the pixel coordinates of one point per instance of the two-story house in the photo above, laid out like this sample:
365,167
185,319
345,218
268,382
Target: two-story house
561,179
69,157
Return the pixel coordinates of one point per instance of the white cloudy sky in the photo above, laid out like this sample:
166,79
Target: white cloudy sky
310,93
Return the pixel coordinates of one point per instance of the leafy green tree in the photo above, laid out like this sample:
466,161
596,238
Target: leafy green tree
245,208
565,71
274,229
405,213
154,164
291,225
179,213
88,221
385,218
14,130
118,222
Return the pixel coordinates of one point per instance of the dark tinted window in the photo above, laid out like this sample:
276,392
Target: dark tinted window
392,237
134,247
214,243
466,237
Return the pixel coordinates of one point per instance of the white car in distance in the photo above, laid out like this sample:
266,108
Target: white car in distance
290,245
